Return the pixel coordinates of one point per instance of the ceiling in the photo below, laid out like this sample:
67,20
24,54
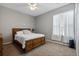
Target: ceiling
43,7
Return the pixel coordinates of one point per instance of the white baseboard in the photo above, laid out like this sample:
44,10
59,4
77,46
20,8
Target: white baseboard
7,43
57,42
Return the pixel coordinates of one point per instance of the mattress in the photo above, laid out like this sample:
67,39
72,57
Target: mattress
22,38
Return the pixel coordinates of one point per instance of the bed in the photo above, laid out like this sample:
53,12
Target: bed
27,42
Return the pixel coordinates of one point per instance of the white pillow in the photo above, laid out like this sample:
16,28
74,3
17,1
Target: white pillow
26,31
19,32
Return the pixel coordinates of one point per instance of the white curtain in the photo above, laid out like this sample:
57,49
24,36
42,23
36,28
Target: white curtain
63,26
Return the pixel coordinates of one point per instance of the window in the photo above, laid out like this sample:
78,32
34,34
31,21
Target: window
63,25
56,25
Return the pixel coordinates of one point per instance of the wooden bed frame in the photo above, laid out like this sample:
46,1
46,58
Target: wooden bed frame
30,44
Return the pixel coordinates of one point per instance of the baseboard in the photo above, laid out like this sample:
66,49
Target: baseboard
57,42
7,43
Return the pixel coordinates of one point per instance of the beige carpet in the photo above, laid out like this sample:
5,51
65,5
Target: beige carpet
48,49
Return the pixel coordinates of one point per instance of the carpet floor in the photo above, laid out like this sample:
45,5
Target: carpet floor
48,49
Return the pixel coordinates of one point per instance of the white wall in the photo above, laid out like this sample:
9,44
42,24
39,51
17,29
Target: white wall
44,22
77,27
10,18
0,21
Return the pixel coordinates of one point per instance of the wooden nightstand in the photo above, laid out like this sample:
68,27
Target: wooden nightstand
1,40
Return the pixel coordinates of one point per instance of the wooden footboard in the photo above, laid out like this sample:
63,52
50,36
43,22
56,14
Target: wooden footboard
31,44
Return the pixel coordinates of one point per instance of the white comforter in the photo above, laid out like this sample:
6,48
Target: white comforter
24,37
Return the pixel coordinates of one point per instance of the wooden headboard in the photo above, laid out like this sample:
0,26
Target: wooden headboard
14,30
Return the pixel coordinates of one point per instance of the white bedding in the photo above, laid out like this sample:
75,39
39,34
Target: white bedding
24,37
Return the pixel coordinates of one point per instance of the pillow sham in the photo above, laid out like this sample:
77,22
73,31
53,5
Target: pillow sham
26,31
19,32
